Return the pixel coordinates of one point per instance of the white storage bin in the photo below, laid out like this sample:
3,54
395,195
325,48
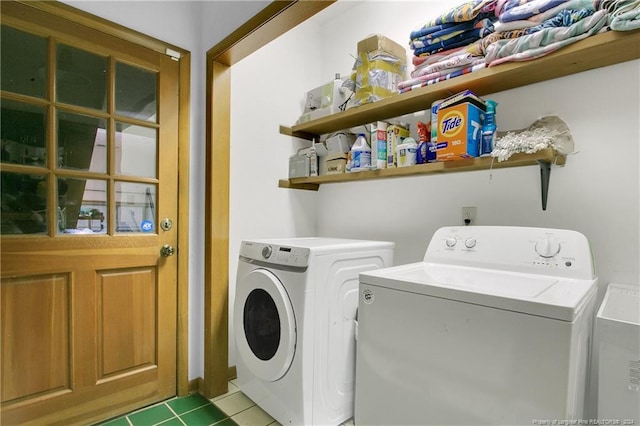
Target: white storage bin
618,328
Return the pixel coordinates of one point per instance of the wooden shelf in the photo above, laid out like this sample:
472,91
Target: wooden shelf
547,156
593,52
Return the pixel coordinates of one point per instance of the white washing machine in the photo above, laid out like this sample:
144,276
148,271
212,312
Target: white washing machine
492,328
293,319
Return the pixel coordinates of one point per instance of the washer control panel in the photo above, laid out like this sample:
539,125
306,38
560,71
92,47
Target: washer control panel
275,254
536,250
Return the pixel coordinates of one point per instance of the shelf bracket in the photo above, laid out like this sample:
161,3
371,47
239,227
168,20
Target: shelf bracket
545,174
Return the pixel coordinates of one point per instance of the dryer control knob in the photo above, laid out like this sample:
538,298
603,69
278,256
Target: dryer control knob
266,252
451,241
470,243
546,247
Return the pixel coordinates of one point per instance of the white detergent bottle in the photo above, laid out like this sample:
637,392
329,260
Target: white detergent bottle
360,154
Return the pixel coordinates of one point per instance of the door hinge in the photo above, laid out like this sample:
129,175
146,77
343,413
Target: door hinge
174,54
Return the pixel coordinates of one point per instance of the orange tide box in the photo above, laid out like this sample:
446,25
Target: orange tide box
459,132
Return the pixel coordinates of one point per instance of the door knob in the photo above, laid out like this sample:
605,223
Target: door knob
167,250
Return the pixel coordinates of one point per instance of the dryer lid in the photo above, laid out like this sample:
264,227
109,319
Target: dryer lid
546,296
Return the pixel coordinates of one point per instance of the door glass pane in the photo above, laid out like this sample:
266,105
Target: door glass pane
81,78
24,203
262,324
82,206
136,92
82,142
135,207
24,63
22,131
136,150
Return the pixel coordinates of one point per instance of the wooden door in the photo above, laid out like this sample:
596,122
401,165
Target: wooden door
88,172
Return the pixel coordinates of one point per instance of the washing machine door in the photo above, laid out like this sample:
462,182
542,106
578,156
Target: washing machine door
264,324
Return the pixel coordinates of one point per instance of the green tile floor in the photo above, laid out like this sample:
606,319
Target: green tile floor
230,409
192,410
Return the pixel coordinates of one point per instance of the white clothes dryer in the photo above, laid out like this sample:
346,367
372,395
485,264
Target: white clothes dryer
293,319
493,327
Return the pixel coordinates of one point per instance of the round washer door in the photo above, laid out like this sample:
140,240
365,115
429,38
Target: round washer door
264,324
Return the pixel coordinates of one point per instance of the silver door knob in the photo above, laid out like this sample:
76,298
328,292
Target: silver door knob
167,250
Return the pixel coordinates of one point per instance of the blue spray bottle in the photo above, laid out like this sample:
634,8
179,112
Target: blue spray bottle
489,128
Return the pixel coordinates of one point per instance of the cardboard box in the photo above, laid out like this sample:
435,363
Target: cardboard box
378,145
340,143
381,65
459,132
336,164
380,42
395,135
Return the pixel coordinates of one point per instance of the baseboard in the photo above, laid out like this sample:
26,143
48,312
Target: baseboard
197,384
232,373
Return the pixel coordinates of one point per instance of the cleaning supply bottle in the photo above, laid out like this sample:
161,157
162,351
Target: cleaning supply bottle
360,154
423,136
489,129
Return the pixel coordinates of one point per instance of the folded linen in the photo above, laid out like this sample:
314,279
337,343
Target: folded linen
541,17
465,12
528,9
452,61
565,18
543,42
447,76
624,15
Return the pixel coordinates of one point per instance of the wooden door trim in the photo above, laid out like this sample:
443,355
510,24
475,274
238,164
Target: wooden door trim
126,34
267,25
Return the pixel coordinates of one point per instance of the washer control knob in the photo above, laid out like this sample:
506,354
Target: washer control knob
470,243
546,247
266,252
451,241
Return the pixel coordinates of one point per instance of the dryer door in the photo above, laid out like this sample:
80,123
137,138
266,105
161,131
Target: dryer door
264,324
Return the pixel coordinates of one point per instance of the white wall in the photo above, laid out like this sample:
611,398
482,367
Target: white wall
264,94
596,193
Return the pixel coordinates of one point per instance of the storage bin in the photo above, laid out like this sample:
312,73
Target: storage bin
618,331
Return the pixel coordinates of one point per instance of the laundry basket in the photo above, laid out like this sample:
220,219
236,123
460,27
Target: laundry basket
618,328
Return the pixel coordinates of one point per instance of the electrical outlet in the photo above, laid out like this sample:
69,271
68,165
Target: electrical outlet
469,216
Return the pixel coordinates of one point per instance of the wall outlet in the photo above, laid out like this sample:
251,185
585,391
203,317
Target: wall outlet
469,216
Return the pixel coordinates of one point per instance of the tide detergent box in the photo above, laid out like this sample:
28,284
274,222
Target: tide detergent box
459,132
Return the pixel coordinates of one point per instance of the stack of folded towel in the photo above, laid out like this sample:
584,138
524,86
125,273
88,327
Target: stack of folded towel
482,33
445,44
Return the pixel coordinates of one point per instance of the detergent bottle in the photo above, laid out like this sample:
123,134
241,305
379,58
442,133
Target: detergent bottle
489,128
424,135
360,154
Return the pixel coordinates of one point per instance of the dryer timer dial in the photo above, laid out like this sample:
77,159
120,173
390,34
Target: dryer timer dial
547,248
266,252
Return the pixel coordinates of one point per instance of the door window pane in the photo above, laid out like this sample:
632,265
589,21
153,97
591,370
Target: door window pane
82,142
24,203
81,78
24,63
22,131
261,324
135,207
136,92
82,206
136,150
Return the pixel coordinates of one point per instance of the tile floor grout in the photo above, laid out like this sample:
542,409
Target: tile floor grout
249,412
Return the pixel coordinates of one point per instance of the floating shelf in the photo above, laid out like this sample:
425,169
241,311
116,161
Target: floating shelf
544,158
597,51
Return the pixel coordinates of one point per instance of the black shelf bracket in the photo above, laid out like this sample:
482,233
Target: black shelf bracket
545,174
